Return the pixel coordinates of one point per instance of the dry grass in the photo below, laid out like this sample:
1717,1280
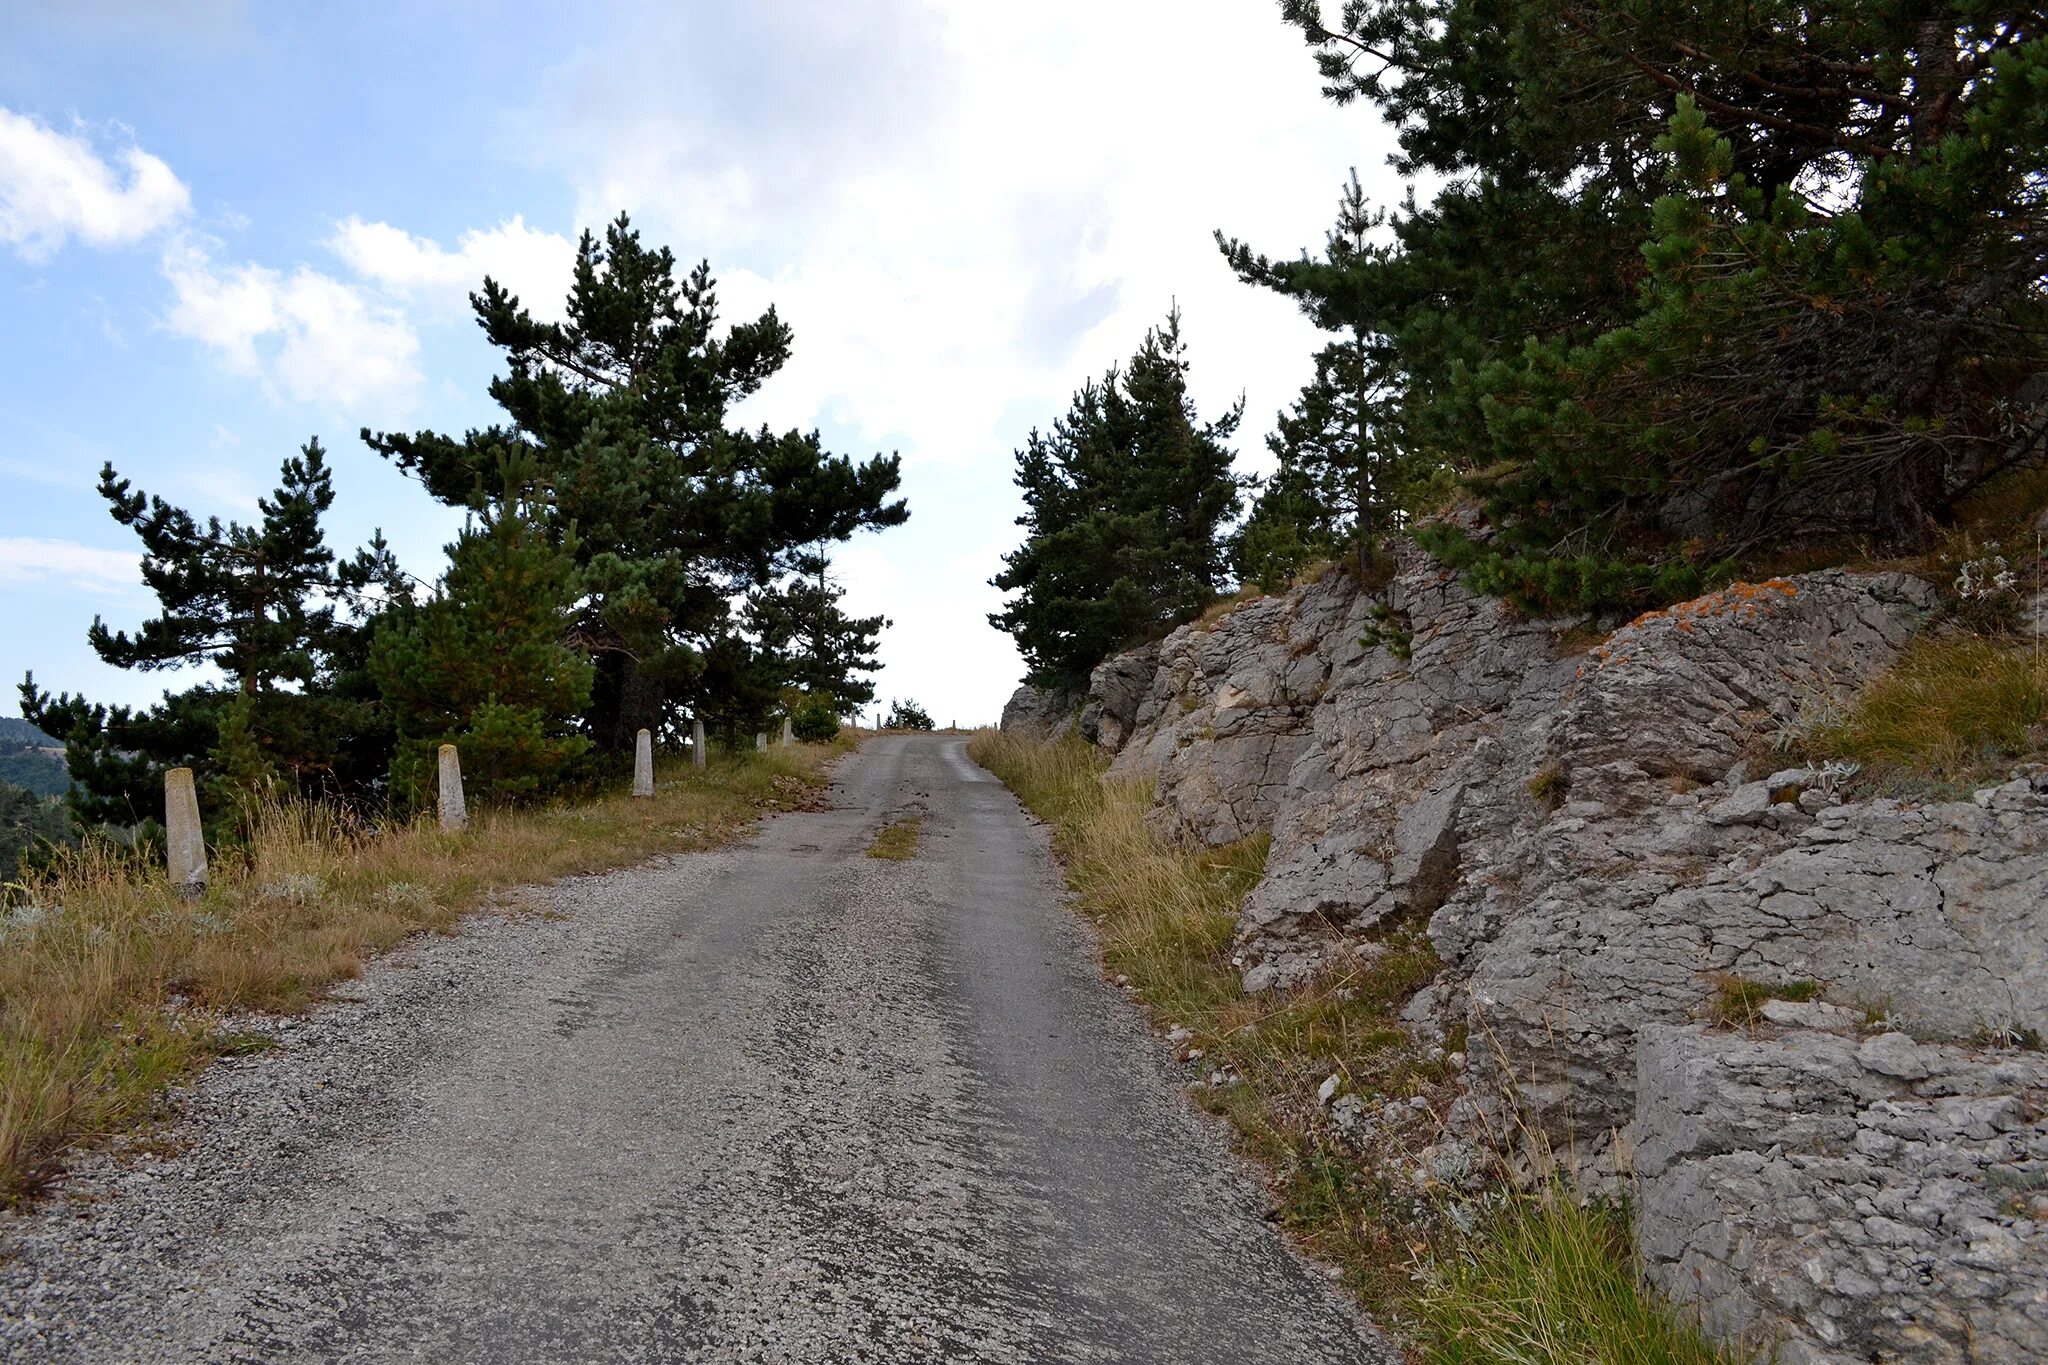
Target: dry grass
897,843
1954,709
1166,917
111,986
1216,611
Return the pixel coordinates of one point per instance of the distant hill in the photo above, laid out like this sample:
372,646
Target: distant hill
31,759
16,733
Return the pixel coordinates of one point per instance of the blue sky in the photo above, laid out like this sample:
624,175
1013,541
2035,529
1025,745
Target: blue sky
227,227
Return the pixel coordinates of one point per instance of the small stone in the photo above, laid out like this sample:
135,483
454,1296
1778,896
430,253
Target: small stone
1746,805
1328,1089
1811,1014
1894,1054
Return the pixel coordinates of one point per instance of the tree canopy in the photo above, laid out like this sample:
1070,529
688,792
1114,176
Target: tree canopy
621,416
283,619
1125,501
1702,283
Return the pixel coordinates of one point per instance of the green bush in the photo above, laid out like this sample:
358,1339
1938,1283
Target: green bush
907,715
815,721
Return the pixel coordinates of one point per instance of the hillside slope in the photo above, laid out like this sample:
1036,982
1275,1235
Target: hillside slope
1616,854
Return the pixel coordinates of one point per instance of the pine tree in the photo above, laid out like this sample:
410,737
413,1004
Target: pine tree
1344,472
483,665
272,608
818,649
30,825
621,415
1701,283
1124,504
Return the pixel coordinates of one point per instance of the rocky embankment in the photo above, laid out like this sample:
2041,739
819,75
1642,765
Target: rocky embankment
1605,839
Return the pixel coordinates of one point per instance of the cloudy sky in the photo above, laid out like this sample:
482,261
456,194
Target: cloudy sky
226,227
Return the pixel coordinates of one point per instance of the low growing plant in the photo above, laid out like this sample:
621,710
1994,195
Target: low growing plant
1953,709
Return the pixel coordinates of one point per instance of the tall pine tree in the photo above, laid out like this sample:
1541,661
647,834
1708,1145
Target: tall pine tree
484,665
1703,283
272,608
818,648
621,415
1124,504
1344,470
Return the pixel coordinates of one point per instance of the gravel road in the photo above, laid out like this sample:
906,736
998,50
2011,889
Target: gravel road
781,1102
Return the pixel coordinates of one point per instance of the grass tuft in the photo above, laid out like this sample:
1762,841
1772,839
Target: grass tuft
1953,710
1543,1279
111,986
898,842
1738,1002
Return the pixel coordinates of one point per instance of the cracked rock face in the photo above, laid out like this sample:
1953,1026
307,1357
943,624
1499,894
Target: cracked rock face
1881,1200
1599,837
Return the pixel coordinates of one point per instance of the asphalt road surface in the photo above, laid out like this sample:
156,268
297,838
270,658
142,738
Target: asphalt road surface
781,1102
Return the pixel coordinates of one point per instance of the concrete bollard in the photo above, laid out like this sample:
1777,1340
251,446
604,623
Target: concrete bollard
454,815
185,842
700,751
788,735
643,764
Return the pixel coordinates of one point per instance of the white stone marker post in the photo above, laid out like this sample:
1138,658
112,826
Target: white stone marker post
700,752
788,735
760,739
185,842
643,764
454,815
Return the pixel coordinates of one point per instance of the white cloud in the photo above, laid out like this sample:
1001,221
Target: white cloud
55,186
963,211
27,560
307,336
533,264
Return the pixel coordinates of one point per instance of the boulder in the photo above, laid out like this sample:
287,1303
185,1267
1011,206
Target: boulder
1116,689
1600,833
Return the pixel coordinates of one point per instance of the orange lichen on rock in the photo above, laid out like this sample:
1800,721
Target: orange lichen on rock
1742,601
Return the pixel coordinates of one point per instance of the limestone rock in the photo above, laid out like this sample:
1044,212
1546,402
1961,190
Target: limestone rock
1039,713
1820,1192
1588,834
1115,691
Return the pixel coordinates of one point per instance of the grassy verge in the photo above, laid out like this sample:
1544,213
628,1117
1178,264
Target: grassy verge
1539,1280
110,986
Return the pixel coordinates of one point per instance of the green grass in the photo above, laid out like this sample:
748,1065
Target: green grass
1952,710
1738,1002
1166,917
1545,1280
111,986
897,843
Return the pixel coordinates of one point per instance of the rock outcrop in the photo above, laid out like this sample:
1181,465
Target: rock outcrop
1854,1198
1040,713
1602,834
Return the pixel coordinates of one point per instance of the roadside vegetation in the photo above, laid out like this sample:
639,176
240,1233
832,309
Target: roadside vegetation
111,986
1534,1278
